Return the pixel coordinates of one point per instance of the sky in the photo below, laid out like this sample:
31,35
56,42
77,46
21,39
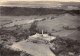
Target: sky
43,0
46,3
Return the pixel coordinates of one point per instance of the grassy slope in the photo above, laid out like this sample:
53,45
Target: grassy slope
57,24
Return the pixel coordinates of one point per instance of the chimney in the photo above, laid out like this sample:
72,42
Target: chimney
42,32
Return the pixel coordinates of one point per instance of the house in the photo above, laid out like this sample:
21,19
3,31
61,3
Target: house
42,36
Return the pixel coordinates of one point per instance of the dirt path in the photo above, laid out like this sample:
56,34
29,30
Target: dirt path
34,49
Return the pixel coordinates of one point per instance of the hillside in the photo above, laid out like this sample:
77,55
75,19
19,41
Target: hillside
23,11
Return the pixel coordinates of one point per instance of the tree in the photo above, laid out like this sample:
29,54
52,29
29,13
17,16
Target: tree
33,28
78,28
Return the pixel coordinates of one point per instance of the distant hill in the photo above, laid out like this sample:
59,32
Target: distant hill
38,8
23,11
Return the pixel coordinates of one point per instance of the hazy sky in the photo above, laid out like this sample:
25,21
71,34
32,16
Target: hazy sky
46,3
44,0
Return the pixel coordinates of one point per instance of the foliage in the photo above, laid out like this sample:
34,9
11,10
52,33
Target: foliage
18,34
8,52
65,45
33,28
